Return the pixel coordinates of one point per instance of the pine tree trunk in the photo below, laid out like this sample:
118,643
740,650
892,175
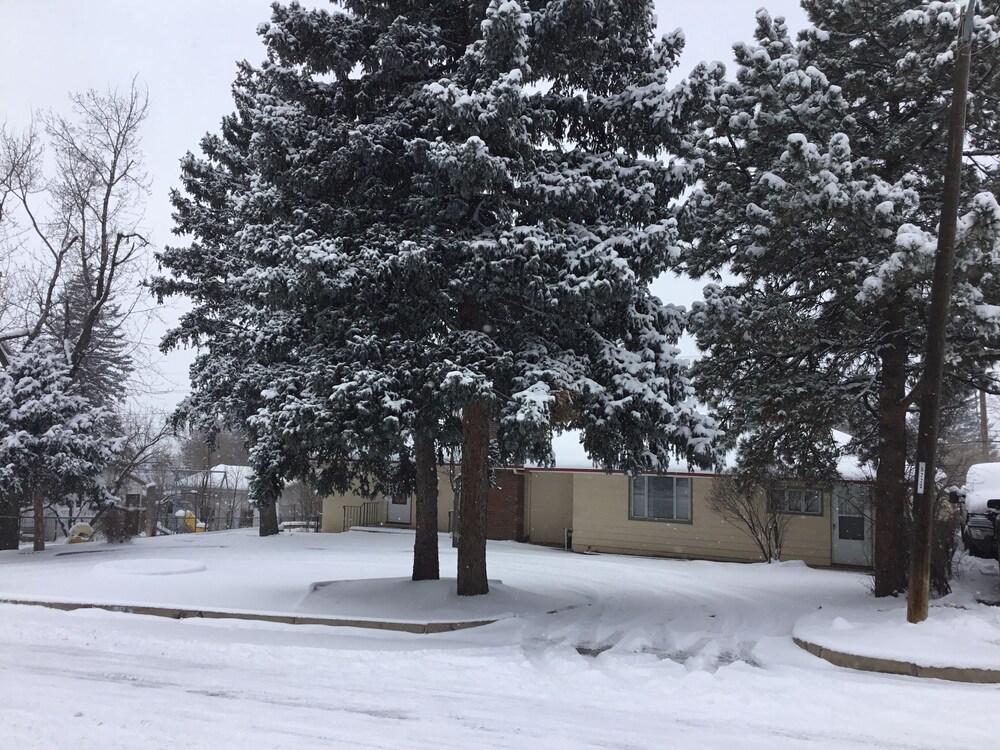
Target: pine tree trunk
269,518
472,510
10,524
425,544
890,479
39,509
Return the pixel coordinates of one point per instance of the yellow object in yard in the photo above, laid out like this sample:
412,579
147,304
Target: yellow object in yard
199,527
81,532
188,519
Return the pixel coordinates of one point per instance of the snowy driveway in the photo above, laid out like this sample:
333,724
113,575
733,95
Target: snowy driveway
688,655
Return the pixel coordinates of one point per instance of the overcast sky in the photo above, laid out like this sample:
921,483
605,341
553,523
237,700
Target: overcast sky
184,52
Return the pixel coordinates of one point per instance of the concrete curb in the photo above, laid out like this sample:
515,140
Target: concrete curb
174,613
891,666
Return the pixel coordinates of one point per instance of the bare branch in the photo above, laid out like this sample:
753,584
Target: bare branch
83,220
747,506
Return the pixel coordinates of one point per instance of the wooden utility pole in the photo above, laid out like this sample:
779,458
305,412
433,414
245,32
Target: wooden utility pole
984,427
924,494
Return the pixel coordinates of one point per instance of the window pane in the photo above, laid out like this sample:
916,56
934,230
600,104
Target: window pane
793,501
776,498
682,495
851,528
811,501
638,497
857,501
660,491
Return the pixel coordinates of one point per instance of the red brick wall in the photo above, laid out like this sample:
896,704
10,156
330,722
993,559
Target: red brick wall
505,507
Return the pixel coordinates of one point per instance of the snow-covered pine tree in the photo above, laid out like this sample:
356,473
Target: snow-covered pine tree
106,363
464,207
53,441
542,213
557,203
227,379
822,171
308,409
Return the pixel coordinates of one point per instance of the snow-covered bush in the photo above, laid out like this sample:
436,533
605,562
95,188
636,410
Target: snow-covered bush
118,524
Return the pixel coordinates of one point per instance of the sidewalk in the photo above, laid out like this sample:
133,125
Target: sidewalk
958,643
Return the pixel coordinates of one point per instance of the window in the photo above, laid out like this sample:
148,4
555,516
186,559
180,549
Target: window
661,498
797,500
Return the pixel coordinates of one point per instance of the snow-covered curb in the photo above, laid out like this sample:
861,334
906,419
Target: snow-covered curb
952,638
175,613
379,603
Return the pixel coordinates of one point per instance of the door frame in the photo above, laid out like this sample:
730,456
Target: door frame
851,559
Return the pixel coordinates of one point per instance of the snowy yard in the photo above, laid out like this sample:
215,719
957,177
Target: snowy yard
642,653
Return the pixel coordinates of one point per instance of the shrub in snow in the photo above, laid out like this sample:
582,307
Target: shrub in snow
118,524
747,504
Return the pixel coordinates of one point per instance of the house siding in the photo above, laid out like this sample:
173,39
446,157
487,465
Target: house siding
333,510
601,523
333,507
548,506
540,505
505,506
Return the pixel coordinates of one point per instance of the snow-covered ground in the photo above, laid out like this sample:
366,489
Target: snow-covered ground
643,654
958,633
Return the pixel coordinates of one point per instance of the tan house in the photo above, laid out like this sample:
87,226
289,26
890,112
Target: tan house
580,506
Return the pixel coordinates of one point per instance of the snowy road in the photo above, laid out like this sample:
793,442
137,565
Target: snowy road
690,655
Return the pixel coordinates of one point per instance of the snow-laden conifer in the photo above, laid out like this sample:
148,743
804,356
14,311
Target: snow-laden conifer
54,442
821,178
457,209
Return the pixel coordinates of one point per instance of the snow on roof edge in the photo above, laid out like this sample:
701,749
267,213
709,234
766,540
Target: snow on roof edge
569,454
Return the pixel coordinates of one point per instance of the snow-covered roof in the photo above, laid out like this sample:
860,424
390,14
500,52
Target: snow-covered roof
849,466
982,483
569,455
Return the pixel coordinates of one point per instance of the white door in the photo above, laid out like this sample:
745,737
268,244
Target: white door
852,525
398,509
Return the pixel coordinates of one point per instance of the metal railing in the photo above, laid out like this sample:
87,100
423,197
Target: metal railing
372,513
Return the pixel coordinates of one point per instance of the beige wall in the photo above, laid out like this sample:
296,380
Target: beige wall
596,507
333,506
548,506
601,523
333,510
446,499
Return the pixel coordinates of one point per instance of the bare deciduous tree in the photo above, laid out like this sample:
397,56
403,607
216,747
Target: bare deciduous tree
300,502
71,246
747,505
83,222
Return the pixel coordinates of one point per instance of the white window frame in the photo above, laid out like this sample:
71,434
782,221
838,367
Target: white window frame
639,505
